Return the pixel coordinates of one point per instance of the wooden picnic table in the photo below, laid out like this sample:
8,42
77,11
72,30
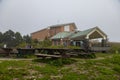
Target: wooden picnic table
57,52
47,55
25,51
5,51
50,52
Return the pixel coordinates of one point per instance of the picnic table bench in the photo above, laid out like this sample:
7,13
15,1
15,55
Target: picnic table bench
47,55
5,51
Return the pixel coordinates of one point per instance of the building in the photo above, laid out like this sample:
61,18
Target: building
79,38
53,30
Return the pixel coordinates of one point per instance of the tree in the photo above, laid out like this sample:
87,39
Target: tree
18,38
27,39
9,38
1,35
1,39
46,43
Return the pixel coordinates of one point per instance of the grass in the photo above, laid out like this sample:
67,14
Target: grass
56,62
104,67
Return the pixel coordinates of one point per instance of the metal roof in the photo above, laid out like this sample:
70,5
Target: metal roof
73,35
62,35
82,33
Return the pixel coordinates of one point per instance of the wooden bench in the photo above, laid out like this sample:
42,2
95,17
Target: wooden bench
5,51
47,55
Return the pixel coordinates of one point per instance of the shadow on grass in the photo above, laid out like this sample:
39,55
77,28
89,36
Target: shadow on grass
56,62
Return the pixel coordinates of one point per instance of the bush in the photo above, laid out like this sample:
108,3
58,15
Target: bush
1,45
29,56
87,55
115,47
56,62
61,46
73,47
55,47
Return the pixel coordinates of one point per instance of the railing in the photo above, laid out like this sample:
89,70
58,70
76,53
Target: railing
98,49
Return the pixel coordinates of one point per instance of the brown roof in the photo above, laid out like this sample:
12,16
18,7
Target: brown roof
39,30
58,25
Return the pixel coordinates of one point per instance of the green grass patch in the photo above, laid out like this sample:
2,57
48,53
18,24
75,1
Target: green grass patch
105,71
48,70
117,68
105,77
72,76
104,67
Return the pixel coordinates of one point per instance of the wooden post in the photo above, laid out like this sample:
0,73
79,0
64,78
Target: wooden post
86,44
103,42
61,41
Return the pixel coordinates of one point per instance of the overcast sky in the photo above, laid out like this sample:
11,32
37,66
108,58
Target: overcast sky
27,16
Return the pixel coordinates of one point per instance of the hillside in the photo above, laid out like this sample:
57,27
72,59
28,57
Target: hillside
104,67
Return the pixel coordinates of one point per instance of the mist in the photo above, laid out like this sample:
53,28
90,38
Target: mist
27,16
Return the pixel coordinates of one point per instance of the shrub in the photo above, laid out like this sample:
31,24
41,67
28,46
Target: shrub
73,47
56,62
1,45
55,47
115,47
91,55
29,56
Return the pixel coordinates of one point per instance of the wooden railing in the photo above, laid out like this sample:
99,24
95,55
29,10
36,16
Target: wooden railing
98,49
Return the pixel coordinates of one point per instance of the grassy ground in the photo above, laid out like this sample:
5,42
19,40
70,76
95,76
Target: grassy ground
104,67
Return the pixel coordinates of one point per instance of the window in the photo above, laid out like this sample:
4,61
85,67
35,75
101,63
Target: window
67,28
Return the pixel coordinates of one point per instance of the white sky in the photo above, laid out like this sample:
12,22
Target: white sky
27,16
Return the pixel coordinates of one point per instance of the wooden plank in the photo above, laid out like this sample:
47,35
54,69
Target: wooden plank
5,51
46,55
100,49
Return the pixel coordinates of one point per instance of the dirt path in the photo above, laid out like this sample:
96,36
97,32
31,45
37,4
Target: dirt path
14,59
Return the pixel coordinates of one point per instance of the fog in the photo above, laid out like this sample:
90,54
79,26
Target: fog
27,16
